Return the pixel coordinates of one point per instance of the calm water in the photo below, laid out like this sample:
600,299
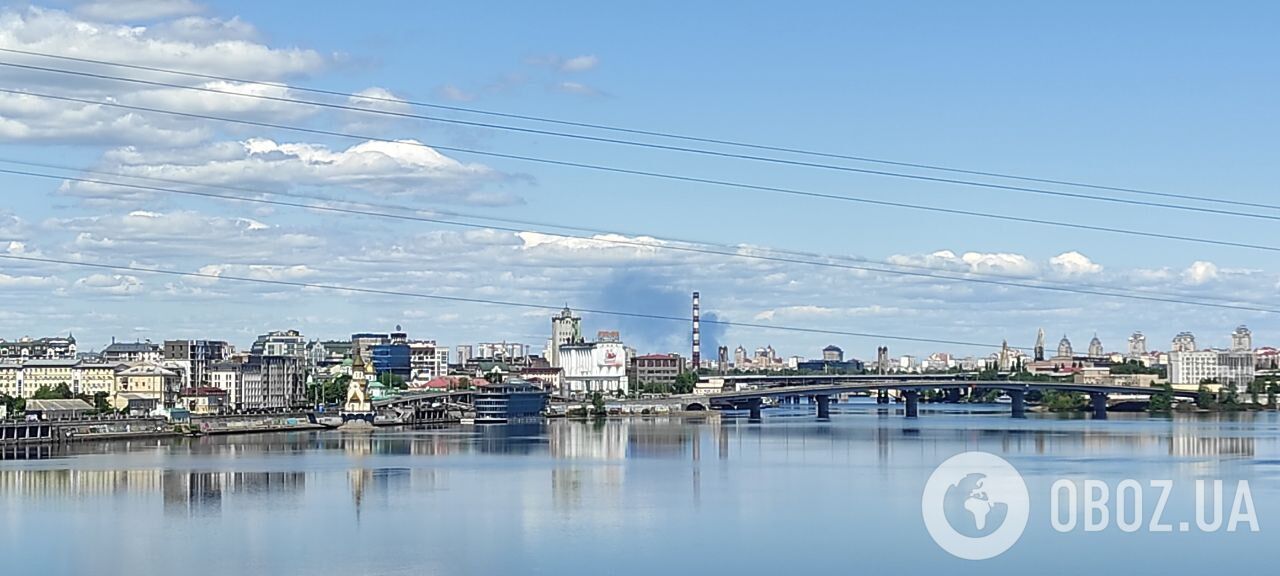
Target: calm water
786,496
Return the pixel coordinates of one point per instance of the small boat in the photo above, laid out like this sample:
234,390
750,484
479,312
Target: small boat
1004,399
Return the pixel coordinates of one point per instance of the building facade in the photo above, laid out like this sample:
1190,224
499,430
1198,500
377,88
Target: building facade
594,367
194,358
38,348
566,329
132,352
661,369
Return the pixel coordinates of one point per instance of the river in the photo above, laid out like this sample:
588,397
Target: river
638,496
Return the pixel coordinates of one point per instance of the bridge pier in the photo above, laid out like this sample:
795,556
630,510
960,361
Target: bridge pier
1019,398
1099,402
913,403
754,406
824,407
882,396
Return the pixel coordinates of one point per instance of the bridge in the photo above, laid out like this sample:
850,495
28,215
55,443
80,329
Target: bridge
911,388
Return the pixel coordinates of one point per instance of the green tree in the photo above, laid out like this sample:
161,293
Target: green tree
597,404
1059,401
1205,399
1230,397
58,392
14,404
1162,401
685,383
392,381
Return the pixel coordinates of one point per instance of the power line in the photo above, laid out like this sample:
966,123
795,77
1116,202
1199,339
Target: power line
589,230
641,132
461,299
660,175
634,243
664,147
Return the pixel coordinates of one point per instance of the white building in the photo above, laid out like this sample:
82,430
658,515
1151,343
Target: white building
1189,367
593,367
427,360
565,329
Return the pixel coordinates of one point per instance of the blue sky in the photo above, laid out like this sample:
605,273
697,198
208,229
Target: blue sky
1174,97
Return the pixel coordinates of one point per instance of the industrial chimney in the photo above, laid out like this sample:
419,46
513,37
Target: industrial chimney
697,339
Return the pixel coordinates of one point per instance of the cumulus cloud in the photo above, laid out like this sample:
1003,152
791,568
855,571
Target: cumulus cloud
403,168
453,93
213,46
987,263
1074,264
113,284
135,10
1200,272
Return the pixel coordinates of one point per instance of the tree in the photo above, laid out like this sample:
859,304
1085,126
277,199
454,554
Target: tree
1162,401
1204,398
59,392
597,403
1230,397
14,404
331,391
1058,401
685,383
393,381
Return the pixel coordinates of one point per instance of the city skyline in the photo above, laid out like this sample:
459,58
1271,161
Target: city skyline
584,74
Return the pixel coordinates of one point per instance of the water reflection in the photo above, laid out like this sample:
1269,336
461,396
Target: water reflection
414,499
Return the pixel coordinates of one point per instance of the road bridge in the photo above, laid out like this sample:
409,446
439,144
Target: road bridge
911,388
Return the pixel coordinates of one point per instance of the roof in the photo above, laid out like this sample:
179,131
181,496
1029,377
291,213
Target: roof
128,397
203,391
658,357
147,370
131,347
51,363
832,348
58,406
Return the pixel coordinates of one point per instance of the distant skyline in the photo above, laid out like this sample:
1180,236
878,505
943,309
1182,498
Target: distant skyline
1056,91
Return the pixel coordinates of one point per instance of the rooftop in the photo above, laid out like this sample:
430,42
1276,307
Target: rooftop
58,406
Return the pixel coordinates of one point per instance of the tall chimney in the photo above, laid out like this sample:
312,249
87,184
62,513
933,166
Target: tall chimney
697,339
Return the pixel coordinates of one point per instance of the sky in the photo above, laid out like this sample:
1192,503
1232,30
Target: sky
1174,97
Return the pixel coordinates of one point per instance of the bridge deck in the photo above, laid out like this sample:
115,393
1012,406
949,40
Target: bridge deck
827,389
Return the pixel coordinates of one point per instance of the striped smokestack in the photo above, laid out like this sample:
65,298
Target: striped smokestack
697,339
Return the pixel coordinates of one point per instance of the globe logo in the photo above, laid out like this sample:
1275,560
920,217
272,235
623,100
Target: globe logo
975,505
970,509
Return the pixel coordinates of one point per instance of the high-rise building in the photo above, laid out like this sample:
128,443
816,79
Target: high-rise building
195,357
739,357
1184,342
1039,345
1137,345
1095,347
1064,348
465,352
1189,367
427,360
832,353
722,358
274,375
565,329
1241,339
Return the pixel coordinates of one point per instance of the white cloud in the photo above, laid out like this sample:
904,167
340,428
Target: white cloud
987,263
577,88
115,284
212,46
579,63
1200,272
1074,264
404,168
17,282
125,10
